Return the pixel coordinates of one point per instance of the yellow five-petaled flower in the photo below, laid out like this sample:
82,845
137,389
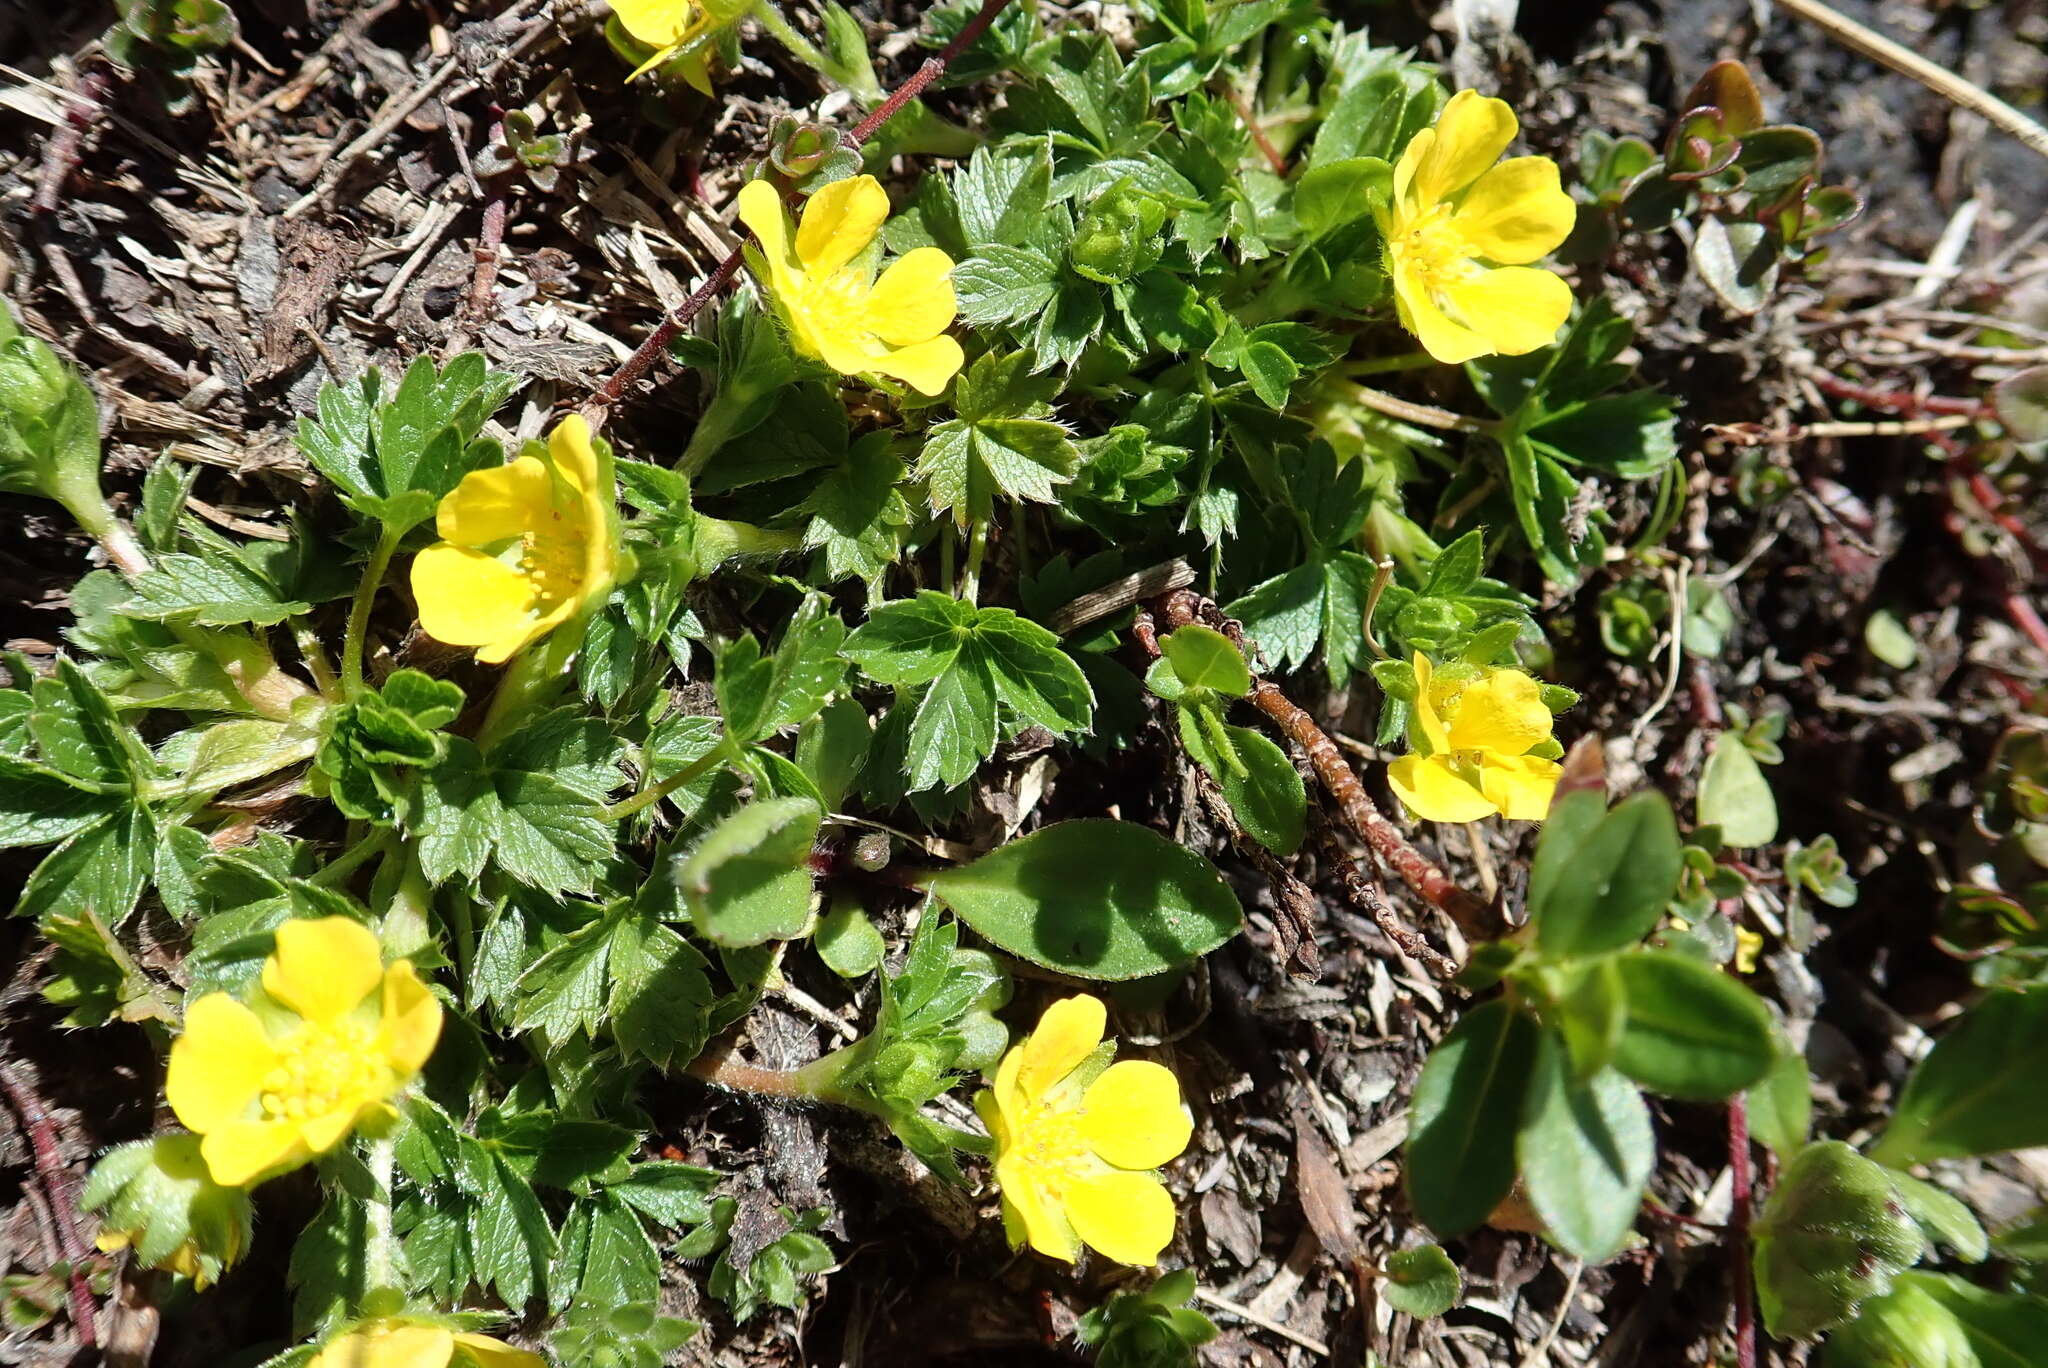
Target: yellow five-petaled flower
524,547
824,285
1480,730
414,1344
337,1037
1076,1143
1461,231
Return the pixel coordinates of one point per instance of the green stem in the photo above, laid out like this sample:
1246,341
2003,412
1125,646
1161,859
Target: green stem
800,47
647,797
533,679
380,1253
977,549
315,656
1384,365
359,610
716,427
352,859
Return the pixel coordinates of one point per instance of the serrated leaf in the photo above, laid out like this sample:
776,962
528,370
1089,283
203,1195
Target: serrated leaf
749,881
535,827
208,592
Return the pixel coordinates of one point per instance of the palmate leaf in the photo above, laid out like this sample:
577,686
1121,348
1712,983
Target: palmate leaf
537,828
1002,444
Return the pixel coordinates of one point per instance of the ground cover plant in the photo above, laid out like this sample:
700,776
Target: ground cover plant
1241,683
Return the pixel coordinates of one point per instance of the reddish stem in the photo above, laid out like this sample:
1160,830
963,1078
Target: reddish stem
1339,780
1738,1226
1897,401
61,153
679,318
41,1129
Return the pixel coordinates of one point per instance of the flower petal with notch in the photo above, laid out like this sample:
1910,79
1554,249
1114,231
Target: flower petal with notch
822,281
1461,232
341,1034
1076,1142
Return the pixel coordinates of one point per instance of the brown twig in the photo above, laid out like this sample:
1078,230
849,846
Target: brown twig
63,150
1469,912
490,255
1364,893
1738,1228
680,317
41,1130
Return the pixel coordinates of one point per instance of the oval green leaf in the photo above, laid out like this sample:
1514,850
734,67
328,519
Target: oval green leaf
1606,890
1586,1150
1422,1282
1097,899
1735,796
1979,1090
1204,658
1461,1132
1691,1031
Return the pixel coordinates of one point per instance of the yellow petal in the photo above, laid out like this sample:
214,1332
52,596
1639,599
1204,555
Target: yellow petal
322,1133
575,459
487,1352
761,210
913,301
389,1346
1133,1116
926,367
1521,786
1430,789
660,56
1123,1216
839,222
466,598
1748,945
323,967
1417,151
217,1065
1010,1103
412,1020
1471,134
1516,308
1500,712
1425,704
1516,212
1447,341
993,1118
242,1151
847,351
1026,1208
657,23
496,503
1067,1034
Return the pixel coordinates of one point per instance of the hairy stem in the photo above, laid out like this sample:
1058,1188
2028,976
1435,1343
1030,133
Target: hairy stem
380,1253
58,1189
359,611
647,797
1738,1227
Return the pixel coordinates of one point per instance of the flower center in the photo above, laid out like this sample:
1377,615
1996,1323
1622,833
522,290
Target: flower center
1051,1142
1436,250
320,1070
836,306
551,558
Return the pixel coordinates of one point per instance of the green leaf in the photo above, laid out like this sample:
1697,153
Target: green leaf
1422,1282
1735,796
324,1266
749,880
1604,889
1933,1320
510,1234
858,516
1979,1090
1204,658
208,592
535,827
101,870
41,806
1832,1234
1334,193
1097,899
661,994
1002,444
1738,261
1586,1151
1468,1104
1005,285
1692,1032
848,942
2022,403
1781,1105
1263,788
1945,1219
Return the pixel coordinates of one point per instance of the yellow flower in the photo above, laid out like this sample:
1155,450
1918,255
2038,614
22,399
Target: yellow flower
1461,232
407,1344
524,547
826,289
1479,731
1075,1143
667,26
339,1037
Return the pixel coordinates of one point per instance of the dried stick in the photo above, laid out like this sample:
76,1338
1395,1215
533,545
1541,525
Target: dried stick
1469,912
1906,62
679,318
41,1130
1364,893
